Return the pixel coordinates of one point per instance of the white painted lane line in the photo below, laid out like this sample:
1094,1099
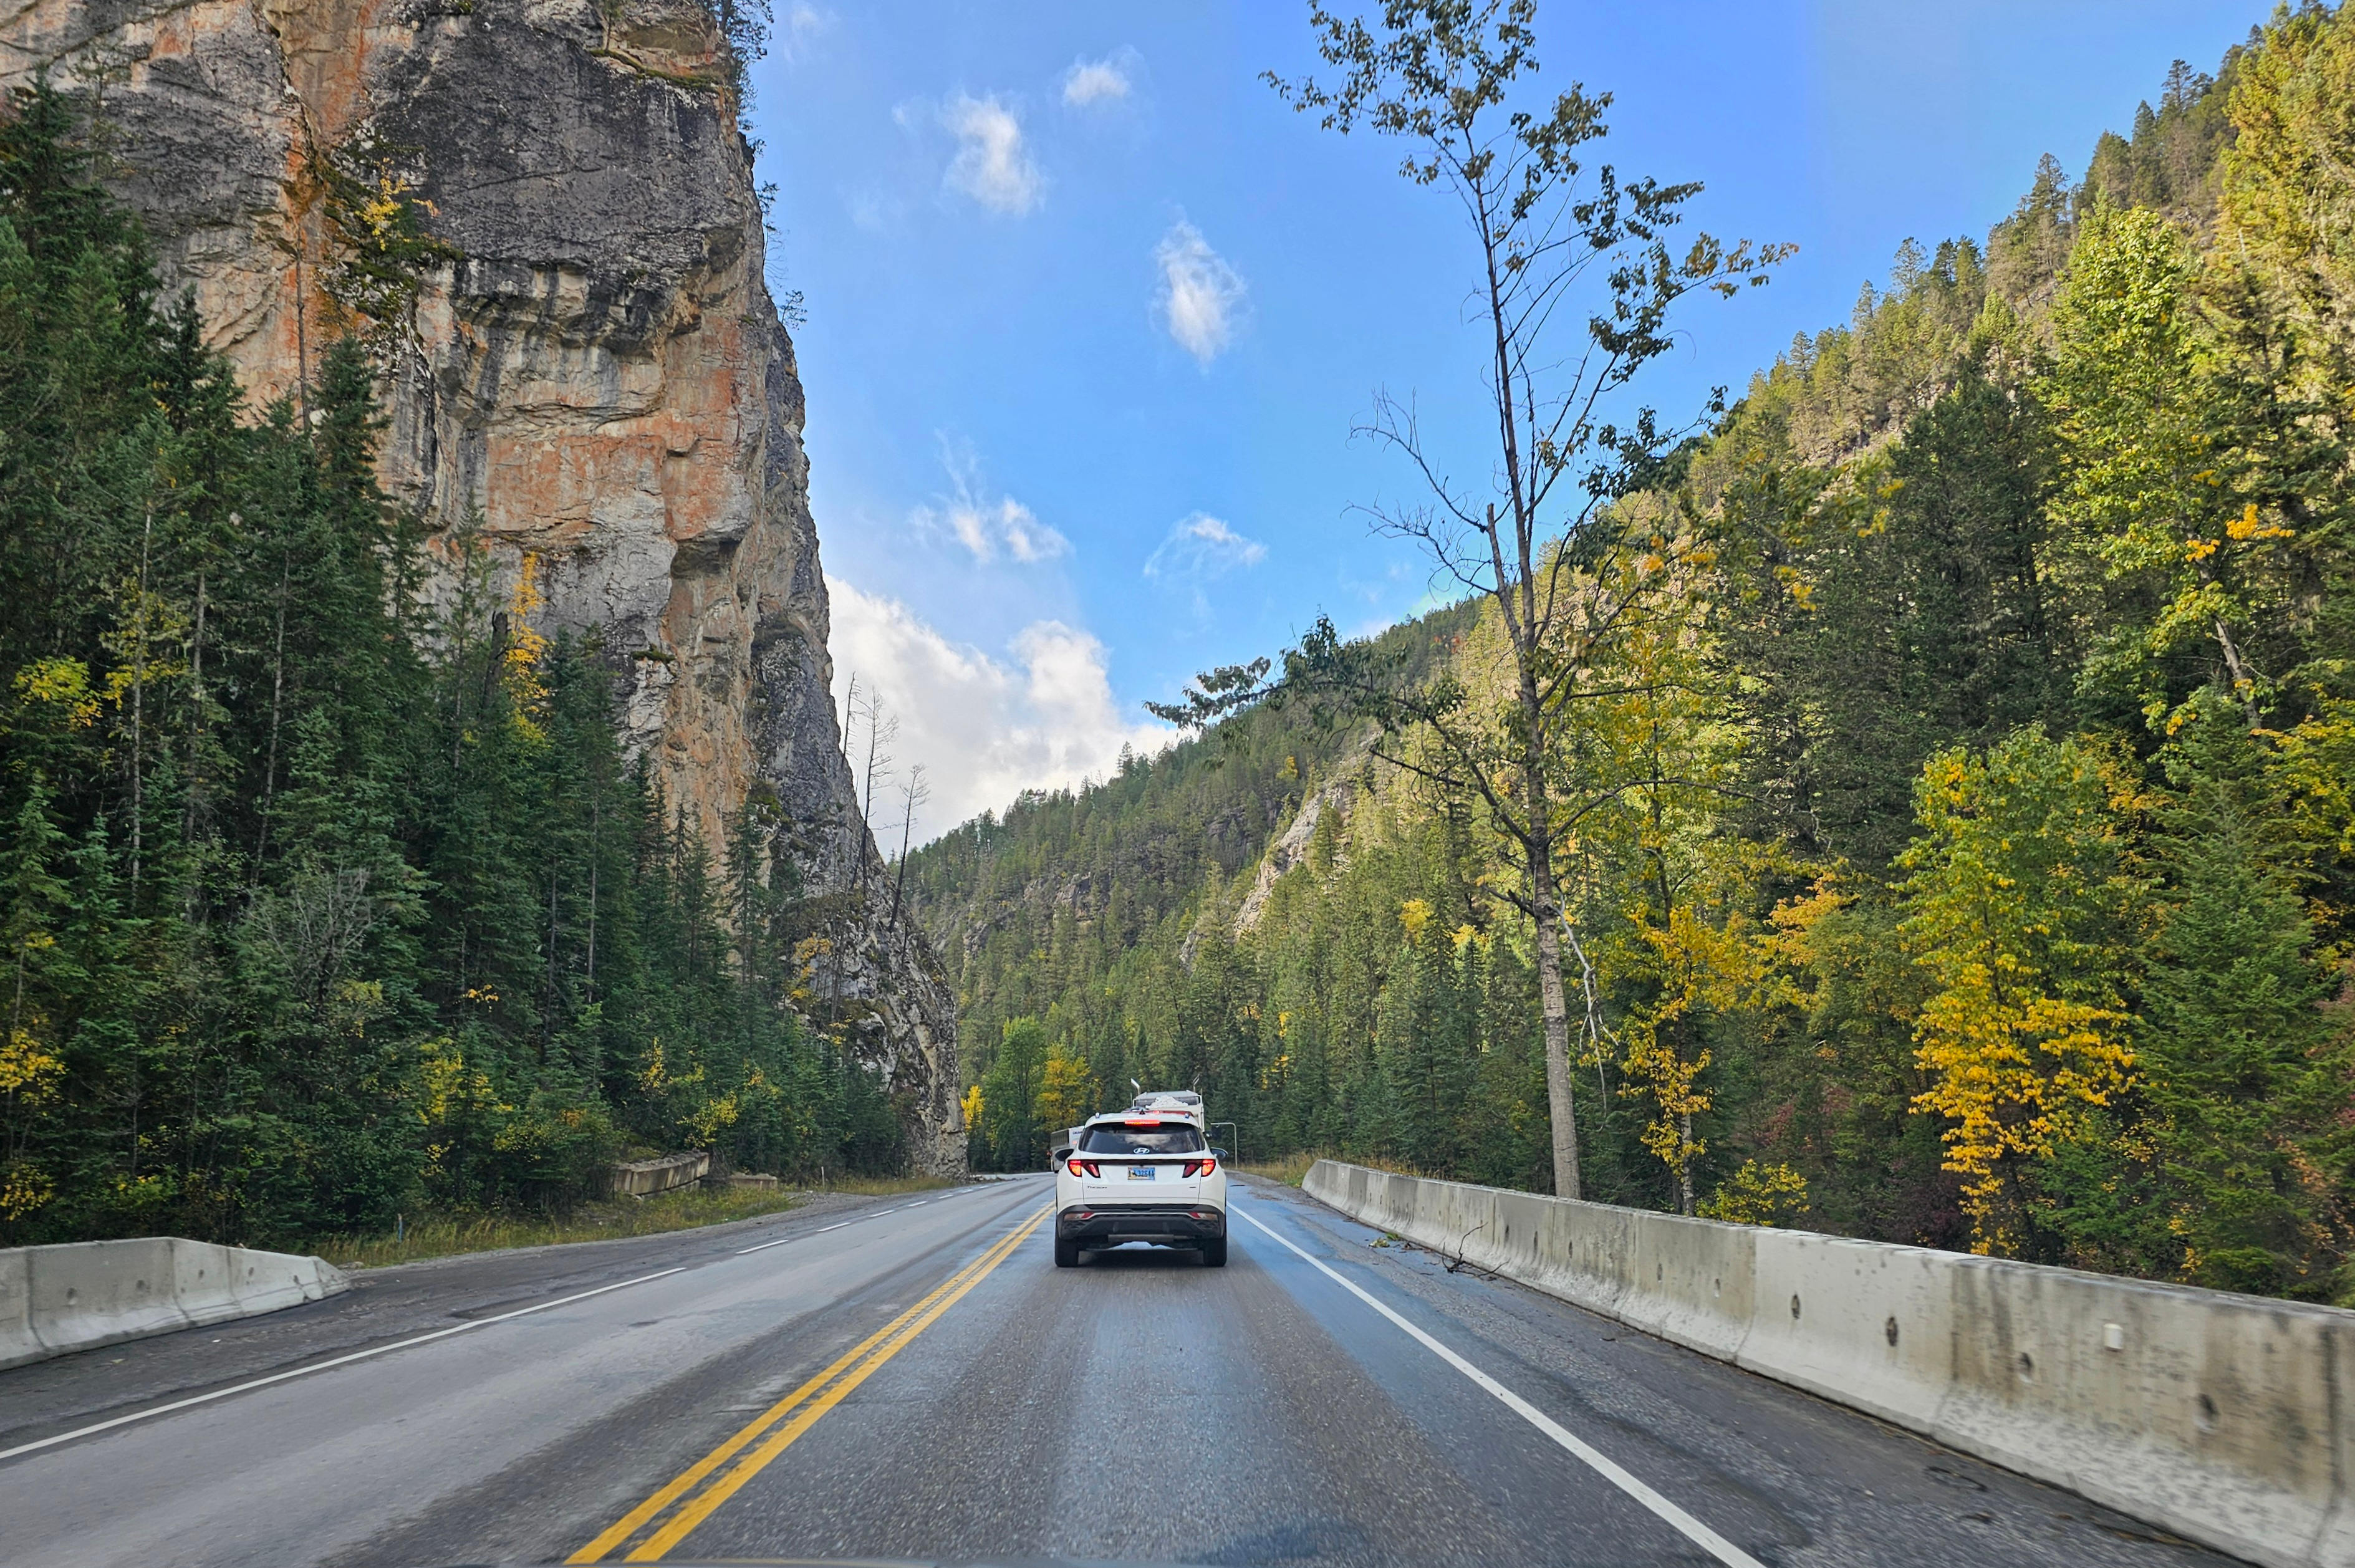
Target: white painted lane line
323,1366
919,1202
1699,1535
765,1246
821,1231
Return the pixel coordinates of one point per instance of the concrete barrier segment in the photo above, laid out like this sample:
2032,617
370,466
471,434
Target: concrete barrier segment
204,1281
76,1296
96,1293
2226,1419
18,1343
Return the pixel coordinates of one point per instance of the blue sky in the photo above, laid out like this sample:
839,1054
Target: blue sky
1090,313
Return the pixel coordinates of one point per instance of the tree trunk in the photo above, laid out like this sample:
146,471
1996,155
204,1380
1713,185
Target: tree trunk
277,702
139,718
1684,1164
1561,1108
596,853
2242,686
193,807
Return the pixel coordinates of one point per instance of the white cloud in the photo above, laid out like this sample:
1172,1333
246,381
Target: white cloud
1201,296
991,164
1095,81
987,529
803,25
984,729
1199,546
874,210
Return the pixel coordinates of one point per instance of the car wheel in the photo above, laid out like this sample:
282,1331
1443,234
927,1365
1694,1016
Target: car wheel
1214,1252
1066,1253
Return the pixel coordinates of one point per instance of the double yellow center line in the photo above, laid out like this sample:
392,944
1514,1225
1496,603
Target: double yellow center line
713,1479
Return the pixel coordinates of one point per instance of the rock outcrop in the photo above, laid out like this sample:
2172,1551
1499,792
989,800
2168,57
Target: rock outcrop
544,215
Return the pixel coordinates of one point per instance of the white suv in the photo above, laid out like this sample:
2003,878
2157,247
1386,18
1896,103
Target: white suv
1137,1176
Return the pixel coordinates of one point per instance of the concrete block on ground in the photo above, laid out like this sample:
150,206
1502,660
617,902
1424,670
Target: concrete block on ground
644,1178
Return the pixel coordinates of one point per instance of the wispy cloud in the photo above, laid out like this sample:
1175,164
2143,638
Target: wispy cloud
986,728
986,527
1201,297
801,26
1199,547
992,166
1098,82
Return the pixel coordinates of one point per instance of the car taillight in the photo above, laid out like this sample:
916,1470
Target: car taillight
1200,1167
1086,1167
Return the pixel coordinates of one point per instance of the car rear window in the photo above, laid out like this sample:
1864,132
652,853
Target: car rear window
1177,1139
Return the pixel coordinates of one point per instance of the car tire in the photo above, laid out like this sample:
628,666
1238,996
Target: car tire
1214,1252
1066,1253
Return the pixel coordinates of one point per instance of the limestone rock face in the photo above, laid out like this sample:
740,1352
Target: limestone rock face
544,214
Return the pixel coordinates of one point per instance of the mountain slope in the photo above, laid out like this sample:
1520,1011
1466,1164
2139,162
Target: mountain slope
1961,851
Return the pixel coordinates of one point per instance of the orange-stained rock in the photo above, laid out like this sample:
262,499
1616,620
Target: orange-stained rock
589,367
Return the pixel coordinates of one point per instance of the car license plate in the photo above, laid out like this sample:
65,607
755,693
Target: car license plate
1140,1173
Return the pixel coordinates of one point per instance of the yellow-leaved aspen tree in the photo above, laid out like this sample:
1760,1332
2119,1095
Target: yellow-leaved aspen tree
2018,908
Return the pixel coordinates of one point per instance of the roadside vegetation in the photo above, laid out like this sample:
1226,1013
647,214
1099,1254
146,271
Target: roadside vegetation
1936,818
326,898
1291,1170
434,1236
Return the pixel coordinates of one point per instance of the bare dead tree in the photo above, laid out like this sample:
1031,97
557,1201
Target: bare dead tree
913,793
882,729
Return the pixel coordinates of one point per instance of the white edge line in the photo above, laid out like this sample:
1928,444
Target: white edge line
1699,1535
822,1230
765,1246
323,1366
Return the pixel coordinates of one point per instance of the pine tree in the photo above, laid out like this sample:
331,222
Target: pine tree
2240,1059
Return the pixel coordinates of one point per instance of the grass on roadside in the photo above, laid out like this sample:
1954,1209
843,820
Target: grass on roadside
1292,1169
443,1235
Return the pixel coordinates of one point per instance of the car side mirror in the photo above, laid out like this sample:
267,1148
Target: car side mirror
1062,1154
1219,1153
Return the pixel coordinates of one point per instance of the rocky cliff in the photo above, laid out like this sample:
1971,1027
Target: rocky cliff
543,215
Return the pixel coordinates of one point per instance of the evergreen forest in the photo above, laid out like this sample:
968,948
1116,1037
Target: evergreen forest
1953,824
327,899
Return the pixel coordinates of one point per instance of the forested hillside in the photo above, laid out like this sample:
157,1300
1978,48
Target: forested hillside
1957,847
325,898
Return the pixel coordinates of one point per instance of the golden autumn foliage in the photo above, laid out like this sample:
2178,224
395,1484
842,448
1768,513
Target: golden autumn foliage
2013,908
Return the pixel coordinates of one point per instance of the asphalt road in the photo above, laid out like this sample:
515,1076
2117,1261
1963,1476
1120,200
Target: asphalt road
912,1379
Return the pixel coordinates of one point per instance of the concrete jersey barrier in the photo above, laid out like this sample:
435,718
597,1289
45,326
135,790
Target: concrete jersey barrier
644,1178
2227,1419
59,1299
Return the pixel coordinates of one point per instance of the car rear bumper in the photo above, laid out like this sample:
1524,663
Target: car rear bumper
1171,1225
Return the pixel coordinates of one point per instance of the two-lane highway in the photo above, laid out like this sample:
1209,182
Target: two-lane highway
913,1379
